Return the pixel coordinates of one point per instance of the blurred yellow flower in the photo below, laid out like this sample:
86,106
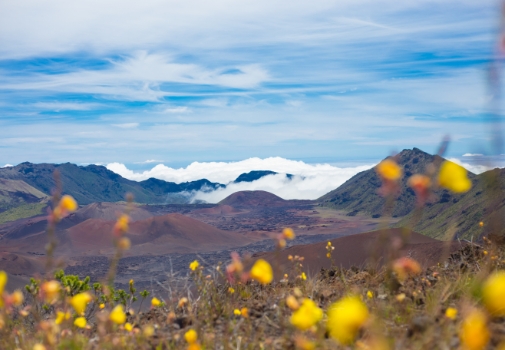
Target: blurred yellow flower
80,322
262,272
401,297
389,170
121,225
451,313
182,302
3,282
236,312
292,303
307,315
191,336
244,312
17,297
453,177
128,326
102,306
328,244
493,294
303,276
281,243
194,265
117,315
39,347
148,331
369,294
288,233
231,290
155,302
50,290
303,343
80,301
62,316
481,224
474,333
68,203
124,243
345,318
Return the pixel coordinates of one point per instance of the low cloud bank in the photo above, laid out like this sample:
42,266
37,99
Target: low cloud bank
310,181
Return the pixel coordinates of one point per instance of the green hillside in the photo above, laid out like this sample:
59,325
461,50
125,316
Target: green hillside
460,212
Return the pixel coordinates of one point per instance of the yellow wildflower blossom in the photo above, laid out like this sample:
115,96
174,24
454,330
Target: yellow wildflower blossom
102,306
128,326
369,294
121,225
17,297
474,333
155,302
389,170
231,290
182,302
80,301
244,312
80,322
262,272
68,203
3,282
451,313
453,177
303,276
307,315
117,315
194,265
493,292
292,303
288,234
236,312
39,347
124,243
191,336
345,318
62,316
50,290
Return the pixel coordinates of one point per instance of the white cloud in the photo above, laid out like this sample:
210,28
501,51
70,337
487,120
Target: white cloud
310,181
7,166
472,155
126,125
474,168
181,109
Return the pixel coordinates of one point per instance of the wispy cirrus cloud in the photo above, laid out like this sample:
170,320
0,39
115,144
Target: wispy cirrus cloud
227,80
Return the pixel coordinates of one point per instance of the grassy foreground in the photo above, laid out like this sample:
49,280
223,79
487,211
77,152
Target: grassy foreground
459,303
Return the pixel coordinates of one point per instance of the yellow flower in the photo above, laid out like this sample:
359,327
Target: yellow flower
124,243
281,243
194,346
80,322
451,313
80,302
262,272
148,331
389,170
303,276
121,224
292,303
481,224
155,302
68,203
493,292
182,302
244,312
454,177
303,343
39,347
329,244
194,265
345,318
61,316
288,233
474,333
128,326
236,312
307,315
401,297
17,297
369,294
231,290
117,315
102,306
191,336
3,282
50,290
328,255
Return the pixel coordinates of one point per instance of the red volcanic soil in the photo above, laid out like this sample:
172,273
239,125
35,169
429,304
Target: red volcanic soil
219,210
252,199
362,249
171,233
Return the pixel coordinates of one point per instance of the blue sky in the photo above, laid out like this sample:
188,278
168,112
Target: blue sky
343,82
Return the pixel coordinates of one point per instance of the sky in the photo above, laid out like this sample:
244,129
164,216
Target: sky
141,83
